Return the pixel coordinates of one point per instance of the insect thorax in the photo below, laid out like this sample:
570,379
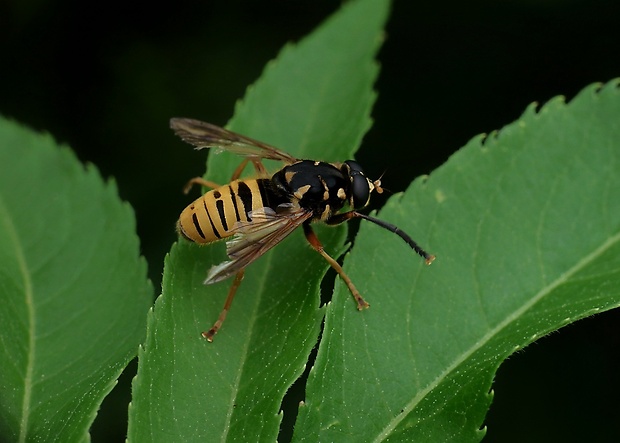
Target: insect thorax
319,187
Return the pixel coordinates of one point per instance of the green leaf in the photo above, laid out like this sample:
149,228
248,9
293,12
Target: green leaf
73,290
525,224
314,101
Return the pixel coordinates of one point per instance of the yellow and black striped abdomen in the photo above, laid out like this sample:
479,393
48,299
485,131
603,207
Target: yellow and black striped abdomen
214,215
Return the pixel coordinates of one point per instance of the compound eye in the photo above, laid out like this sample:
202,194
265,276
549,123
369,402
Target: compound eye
359,190
360,186
354,167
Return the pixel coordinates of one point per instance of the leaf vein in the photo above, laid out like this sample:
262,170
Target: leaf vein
563,278
29,301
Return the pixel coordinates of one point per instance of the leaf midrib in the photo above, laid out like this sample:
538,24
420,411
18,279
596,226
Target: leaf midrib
562,278
269,258
260,289
29,300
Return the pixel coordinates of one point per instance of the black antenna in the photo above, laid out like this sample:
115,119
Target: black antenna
402,234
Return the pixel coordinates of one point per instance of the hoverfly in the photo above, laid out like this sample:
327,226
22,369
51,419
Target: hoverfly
254,215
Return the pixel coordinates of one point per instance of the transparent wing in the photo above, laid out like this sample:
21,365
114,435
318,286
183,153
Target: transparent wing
205,135
254,238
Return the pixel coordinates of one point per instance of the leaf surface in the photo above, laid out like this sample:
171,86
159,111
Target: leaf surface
313,101
525,224
73,289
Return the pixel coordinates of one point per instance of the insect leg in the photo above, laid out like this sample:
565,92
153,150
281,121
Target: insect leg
260,169
209,184
231,294
199,181
239,169
318,247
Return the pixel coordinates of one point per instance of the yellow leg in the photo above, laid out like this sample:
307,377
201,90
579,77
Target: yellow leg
199,181
260,169
231,294
316,244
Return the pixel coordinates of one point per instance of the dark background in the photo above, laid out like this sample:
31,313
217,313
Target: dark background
105,77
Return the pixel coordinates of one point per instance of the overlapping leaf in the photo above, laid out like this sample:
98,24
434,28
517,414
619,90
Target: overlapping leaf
314,101
73,290
526,228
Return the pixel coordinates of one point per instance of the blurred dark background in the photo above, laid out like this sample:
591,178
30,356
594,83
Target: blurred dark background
105,77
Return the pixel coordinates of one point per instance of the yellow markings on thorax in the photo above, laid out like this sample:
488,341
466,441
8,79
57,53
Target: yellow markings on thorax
299,193
288,176
327,212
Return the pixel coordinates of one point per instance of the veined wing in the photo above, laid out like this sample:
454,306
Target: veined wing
205,135
254,238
